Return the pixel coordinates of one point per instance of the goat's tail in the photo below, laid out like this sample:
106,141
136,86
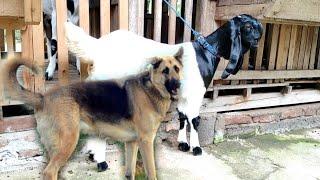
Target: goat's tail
12,86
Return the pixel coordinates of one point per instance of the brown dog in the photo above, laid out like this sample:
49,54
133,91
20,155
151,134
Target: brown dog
130,111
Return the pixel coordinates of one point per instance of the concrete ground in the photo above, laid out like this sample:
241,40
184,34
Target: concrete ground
294,155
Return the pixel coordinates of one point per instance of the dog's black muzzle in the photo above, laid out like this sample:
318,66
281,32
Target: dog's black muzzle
172,87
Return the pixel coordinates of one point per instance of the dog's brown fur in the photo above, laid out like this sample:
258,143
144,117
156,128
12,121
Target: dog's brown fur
59,111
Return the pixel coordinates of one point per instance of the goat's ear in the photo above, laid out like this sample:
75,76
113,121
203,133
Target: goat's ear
235,58
179,54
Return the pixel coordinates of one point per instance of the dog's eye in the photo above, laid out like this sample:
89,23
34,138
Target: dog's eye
166,71
176,69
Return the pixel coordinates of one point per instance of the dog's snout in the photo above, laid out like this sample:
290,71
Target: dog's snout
172,85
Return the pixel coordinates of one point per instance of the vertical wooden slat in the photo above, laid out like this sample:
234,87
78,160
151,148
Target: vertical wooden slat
157,20
1,41
84,15
297,48
123,14
292,47
61,7
38,54
188,18
259,55
14,40
304,37
307,52
172,23
283,47
104,17
273,47
84,24
314,48
9,36
245,64
136,17
27,54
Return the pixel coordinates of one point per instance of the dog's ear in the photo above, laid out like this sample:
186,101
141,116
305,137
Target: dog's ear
156,62
235,58
179,55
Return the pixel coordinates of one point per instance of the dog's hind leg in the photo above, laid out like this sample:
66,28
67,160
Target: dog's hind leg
147,152
131,149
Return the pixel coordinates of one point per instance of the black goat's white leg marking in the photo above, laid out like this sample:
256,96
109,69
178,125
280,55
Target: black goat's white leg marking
52,60
96,148
182,137
194,140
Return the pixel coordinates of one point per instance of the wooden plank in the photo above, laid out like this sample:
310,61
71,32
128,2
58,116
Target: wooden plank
245,64
27,54
84,15
228,12
304,37
27,11
283,47
307,52
292,48
313,48
296,10
259,100
260,49
9,37
85,25
172,23
270,74
14,124
12,8
218,87
247,93
136,17
297,48
36,11
273,46
63,71
241,2
205,23
1,41
123,14
38,55
157,20
188,18
104,17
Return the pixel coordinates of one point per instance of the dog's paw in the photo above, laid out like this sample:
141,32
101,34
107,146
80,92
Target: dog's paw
184,147
197,151
102,166
91,157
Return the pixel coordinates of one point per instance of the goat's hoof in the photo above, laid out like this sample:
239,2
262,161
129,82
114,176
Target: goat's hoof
197,151
47,77
91,157
184,147
102,166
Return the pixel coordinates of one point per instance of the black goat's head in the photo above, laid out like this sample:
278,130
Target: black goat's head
245,32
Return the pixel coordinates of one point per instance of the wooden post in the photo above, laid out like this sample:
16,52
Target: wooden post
188,16
205,22
10,43
38,54
157,20
27,53
61,7
314,48
273,48
84,24
136,17
172,23
259,55
1,41
123,14
104,17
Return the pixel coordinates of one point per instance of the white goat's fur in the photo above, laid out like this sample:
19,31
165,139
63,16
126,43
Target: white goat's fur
123,53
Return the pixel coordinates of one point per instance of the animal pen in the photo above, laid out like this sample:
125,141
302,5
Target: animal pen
284,70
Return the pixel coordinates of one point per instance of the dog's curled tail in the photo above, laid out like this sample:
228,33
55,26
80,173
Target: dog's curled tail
12,86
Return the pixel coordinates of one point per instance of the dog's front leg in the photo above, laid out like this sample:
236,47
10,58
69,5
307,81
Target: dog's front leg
147,153
131,159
